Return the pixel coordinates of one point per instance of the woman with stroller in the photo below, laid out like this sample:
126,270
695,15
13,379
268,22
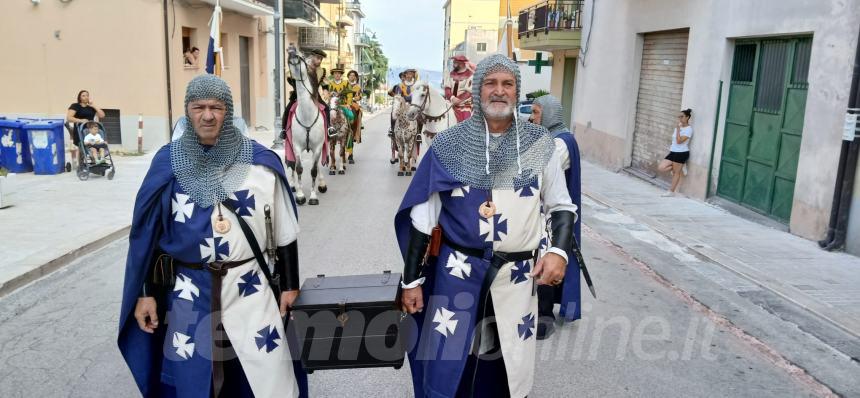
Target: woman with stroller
82,111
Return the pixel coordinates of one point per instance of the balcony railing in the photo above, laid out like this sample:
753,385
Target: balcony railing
551,15
354,6
299,9
362,40
318,38
364,69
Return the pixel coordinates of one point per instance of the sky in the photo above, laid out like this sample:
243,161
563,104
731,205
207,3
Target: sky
410,31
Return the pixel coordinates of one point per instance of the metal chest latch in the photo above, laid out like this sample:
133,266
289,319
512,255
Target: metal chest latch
342,316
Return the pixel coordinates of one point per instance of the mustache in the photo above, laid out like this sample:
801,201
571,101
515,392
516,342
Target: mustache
499,98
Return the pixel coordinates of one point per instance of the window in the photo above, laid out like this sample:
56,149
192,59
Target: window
482,47
771,77
744,63
800,71
189,43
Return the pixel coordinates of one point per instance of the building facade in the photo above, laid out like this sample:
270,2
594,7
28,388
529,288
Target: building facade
460,17
768,82
129,56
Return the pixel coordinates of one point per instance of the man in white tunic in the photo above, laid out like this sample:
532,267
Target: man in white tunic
201,316
483,184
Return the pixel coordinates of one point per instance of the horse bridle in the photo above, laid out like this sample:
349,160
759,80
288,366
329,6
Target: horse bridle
421,107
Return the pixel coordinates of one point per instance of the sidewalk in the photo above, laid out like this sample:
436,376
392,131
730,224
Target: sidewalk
791,301
58,218
825,283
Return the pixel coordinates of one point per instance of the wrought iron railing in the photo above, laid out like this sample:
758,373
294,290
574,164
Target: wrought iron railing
318,38
299,9
550,15
362,39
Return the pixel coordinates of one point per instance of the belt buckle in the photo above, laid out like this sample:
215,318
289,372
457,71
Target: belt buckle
215,266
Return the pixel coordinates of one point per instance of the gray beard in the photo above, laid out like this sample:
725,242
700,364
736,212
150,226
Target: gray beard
493,114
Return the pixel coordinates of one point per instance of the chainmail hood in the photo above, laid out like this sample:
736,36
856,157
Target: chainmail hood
484,161
210,174
551,115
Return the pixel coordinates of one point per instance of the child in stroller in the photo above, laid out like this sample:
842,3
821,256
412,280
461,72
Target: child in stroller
94,148
94,142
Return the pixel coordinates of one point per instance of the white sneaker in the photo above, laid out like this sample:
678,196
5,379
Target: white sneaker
684,169
668,194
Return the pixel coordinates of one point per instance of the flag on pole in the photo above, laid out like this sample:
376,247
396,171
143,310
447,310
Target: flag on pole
214,55
506,44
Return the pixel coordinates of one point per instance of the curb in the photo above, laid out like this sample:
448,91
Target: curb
36,273
714,258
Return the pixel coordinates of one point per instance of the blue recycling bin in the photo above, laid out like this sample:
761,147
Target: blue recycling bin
47,146
14,147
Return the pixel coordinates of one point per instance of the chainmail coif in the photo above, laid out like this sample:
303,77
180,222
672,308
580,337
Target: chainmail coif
210,174
462,149
551,115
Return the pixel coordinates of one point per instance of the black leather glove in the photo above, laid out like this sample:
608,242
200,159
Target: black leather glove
287,266
562,232
414,260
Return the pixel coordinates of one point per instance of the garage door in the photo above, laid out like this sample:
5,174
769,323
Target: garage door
661,82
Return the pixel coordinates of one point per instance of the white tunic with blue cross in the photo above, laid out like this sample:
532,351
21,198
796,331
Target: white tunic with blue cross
449,316
249,313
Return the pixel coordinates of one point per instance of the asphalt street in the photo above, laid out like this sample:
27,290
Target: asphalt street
641,337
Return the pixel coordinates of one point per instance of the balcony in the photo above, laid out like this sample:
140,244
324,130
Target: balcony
364,69
318,38
362,40
299,13
246,7
551,25
355,6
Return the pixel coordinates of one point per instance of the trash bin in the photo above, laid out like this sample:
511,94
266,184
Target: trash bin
14,147
47,146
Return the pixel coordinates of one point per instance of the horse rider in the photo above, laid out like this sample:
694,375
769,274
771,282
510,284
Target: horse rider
313,61
458,87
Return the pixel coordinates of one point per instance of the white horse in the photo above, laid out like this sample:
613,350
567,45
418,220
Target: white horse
436,111
307,132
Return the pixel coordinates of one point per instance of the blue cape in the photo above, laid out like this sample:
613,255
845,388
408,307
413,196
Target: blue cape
143,351
571,288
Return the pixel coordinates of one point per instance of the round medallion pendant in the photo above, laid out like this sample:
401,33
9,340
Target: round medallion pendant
222,226
487,209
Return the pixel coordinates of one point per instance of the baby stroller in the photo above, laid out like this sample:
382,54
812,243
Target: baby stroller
89,164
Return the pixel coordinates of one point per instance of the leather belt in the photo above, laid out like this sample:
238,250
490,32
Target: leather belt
164,272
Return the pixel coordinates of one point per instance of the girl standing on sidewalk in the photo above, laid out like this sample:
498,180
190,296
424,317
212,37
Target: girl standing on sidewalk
679,152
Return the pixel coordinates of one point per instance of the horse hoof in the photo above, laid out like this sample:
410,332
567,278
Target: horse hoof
392,161
331,172
409,174
341,172
351,161
314,202
294,189
301,201
322,189
400,174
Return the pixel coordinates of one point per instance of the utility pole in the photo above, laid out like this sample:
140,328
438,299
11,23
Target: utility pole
278,142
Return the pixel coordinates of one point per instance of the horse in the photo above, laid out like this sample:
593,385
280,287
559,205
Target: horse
405,131
438,114
307,132
342,134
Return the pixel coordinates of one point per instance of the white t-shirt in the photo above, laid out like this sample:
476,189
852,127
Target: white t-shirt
685,147
93,139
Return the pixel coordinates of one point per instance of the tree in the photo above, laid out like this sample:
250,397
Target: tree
378,65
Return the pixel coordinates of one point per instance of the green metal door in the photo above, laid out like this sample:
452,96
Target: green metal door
764,122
